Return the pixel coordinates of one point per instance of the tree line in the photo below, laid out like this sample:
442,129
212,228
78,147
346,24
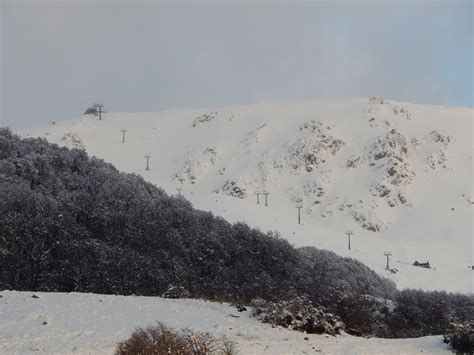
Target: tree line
70,222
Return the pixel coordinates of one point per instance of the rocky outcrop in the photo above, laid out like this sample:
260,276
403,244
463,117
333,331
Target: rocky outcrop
402,112
393,144
438,144
377,100
440,139
314,147
235,187
255,136
389,154
367,221
354,162
196,165
206,117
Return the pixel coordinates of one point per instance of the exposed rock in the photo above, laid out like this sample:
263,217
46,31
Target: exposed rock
369,222
390,191
380,190
402,198
354,162
313,126
398,110
437,137
206,117
256,136
312,187
314,148
391,152
393,144
437,159
392,171
378,100
196,165
236,187
438,156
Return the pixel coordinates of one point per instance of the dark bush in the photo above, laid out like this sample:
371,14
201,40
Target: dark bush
420,313
161,340
460,336
297,314
337,275
361,313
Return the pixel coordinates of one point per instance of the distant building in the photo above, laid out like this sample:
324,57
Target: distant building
425,265
91,111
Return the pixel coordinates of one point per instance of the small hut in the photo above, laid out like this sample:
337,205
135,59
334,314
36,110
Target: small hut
425,265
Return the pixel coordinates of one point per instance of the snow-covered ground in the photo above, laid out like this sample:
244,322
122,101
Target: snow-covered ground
398,175
76,323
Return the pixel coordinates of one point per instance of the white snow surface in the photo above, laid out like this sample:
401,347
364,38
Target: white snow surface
78,323
399,175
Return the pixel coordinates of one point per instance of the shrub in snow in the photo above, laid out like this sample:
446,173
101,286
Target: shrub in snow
161,340
176,292
362,314
297,314
460,336
418,313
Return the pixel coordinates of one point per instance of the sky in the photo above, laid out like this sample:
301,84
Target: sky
58,57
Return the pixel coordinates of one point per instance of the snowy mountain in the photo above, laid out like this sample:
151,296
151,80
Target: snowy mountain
398,175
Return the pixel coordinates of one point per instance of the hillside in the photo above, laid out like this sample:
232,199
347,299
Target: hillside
398,175
78,323
71,223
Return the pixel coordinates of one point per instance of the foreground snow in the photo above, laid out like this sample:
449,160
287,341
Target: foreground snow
401,169
76,323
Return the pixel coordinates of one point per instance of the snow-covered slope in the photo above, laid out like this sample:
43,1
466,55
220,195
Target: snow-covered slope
75,323
398,175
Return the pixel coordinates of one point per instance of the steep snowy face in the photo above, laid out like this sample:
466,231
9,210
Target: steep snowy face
394,173
358,160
